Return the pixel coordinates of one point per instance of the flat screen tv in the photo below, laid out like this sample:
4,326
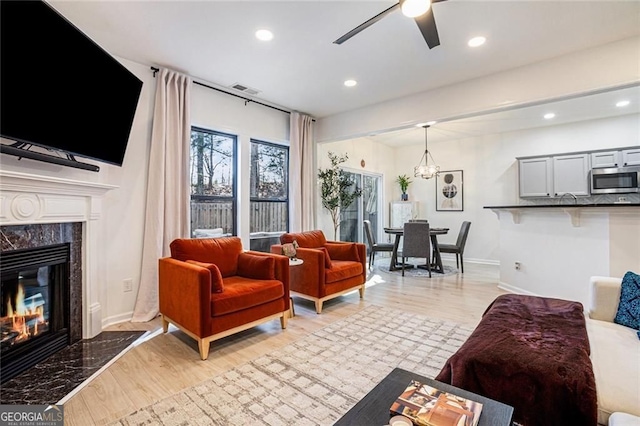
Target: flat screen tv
59,89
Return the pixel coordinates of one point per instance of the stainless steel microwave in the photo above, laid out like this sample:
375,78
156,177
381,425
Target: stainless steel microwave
618,180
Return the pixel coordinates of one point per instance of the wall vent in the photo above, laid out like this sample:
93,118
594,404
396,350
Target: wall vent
244,89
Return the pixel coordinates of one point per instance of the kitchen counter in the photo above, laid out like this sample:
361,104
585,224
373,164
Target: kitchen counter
573,210
546,206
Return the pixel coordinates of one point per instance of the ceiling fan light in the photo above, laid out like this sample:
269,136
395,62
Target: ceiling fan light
415,8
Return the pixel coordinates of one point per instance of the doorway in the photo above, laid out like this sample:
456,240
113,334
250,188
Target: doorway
366,207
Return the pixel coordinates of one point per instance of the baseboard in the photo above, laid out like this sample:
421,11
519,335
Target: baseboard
513,289
116,319
452,258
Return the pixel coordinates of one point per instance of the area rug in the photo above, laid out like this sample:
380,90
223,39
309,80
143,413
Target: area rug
382,264
316,379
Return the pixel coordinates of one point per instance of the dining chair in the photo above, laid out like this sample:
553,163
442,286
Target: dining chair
458,247
373,245
417,243
419,220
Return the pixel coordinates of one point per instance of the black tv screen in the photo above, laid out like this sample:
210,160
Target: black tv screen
59,89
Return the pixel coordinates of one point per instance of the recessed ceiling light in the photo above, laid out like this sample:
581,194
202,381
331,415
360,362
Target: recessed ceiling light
350,83
477,41
622,104
264,35
549,116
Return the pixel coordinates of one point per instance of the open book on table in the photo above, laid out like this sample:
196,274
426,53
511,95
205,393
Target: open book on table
427,406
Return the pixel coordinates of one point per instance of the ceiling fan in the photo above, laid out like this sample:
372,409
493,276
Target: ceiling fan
420,10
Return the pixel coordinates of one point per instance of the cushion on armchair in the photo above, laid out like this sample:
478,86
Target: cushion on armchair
327,258
217,286
256,267
308,239
223,252
343,251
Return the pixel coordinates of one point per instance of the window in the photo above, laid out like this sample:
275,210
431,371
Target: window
269,202
213,183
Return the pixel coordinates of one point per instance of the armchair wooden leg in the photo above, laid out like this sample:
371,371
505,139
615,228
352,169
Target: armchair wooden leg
203,347
361,291
165,324
318,306
283,320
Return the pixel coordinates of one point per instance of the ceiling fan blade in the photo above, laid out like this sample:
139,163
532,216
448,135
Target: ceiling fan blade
427,25
366,24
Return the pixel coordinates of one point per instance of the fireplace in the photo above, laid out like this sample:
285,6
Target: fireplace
34,315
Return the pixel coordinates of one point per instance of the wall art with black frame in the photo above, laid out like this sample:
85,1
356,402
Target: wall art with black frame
449,191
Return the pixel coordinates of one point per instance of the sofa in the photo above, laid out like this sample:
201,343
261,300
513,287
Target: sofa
210,288
615,355
330,268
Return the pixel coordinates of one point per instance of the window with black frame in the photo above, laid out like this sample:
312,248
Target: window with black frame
269,189
213,183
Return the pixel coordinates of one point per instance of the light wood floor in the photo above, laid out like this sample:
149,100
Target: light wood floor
167,364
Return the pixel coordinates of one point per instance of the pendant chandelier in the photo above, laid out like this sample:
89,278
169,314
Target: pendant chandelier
426,170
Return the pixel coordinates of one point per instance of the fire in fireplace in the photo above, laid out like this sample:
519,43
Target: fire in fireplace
34,315
26,312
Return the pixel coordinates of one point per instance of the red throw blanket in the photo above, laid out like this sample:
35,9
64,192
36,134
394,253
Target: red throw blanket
533,354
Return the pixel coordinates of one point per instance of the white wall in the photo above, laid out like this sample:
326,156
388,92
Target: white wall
491,172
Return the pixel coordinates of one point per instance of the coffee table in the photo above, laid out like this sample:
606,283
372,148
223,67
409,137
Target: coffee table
373,409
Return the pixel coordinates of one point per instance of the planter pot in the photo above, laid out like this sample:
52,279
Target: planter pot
405,197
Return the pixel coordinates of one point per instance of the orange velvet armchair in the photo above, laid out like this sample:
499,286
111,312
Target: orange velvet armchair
330,268
210,288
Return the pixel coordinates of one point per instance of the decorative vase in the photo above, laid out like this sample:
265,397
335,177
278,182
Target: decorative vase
405,197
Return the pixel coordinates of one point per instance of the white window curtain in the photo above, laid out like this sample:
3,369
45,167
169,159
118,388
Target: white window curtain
302,175
167,209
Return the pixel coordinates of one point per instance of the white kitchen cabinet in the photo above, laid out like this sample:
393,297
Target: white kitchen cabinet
618,158
543,177
536,177
571,174
631,157
605,159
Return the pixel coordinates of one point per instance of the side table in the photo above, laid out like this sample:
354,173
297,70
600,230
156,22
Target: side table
294,262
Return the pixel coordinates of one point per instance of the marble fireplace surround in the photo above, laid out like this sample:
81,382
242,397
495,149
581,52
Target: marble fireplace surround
35,199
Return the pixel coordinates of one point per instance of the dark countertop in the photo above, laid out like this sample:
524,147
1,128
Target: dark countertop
546,206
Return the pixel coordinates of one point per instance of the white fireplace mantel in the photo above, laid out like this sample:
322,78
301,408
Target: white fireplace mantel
33,199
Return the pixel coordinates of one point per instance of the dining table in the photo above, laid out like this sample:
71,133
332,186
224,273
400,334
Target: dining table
436,265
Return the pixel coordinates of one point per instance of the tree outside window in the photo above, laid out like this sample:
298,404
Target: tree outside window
213,183
269,187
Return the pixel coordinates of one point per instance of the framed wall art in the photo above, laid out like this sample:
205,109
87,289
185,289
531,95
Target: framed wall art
449,191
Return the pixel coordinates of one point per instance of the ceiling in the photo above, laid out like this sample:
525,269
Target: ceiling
300,69
580,108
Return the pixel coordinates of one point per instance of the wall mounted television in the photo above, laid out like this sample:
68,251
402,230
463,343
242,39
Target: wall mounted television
61,91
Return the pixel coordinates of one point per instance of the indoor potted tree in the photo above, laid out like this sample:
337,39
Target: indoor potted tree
337,189
404,181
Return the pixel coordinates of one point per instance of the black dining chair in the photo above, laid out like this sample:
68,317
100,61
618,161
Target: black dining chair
419,220
373,245
417,243
458,247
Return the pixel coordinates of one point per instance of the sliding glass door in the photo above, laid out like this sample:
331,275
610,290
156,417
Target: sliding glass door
367,207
